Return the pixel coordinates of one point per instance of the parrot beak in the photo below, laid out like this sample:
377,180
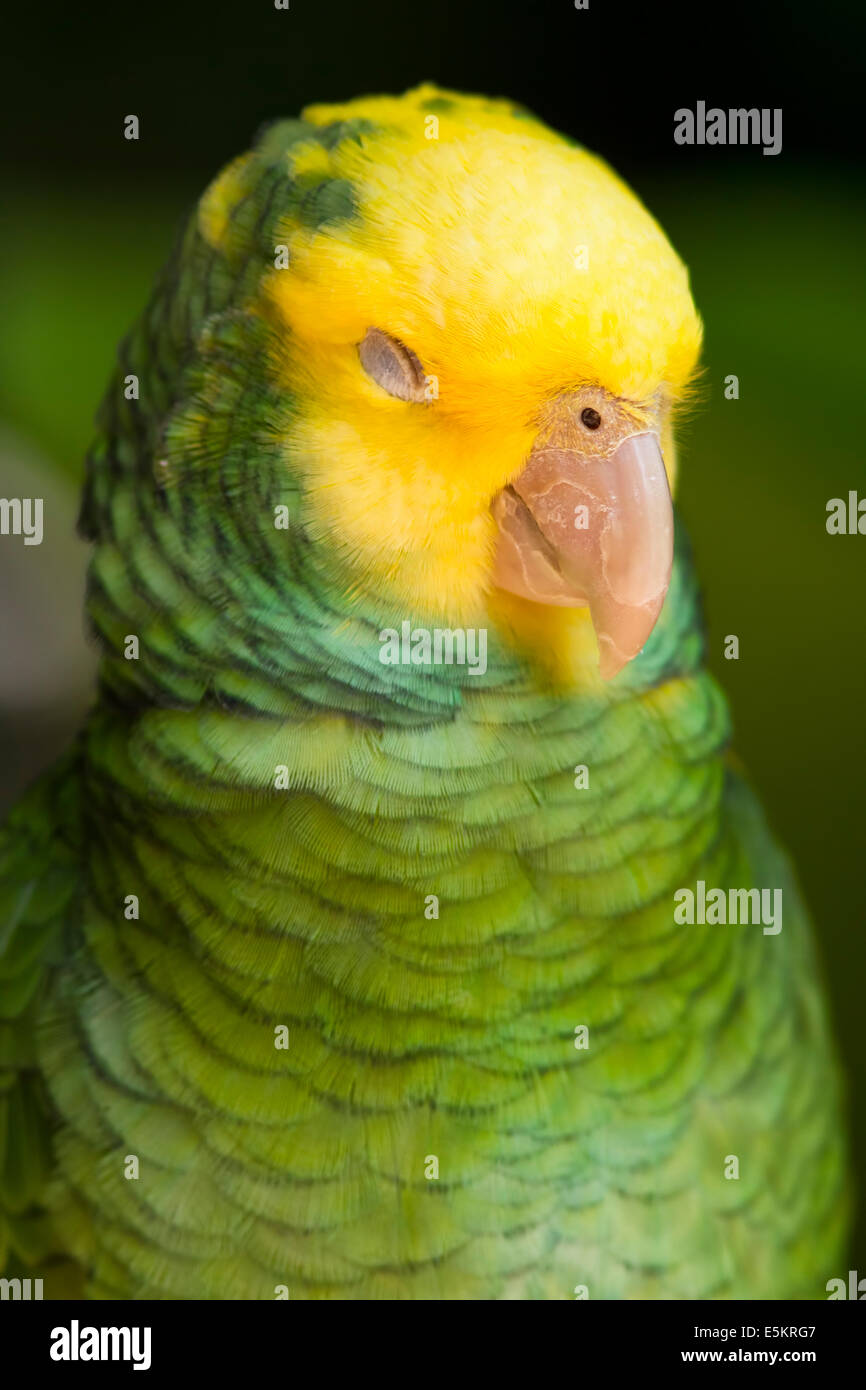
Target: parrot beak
578,528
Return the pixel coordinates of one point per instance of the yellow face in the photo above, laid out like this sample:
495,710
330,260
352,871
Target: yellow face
516,269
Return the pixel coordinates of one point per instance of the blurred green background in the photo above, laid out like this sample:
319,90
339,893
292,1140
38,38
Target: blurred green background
776,251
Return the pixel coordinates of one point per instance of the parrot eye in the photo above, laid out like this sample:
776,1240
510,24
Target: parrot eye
392,365
590,418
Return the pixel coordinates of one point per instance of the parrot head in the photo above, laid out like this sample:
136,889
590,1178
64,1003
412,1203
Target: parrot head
486,351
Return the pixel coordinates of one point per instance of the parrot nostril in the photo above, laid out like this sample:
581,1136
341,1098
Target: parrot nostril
590,418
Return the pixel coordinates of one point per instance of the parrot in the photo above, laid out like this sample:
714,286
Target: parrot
343,952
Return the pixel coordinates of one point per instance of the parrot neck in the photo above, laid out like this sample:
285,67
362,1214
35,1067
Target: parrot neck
349,843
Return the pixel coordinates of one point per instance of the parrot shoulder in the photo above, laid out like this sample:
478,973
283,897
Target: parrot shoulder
39,875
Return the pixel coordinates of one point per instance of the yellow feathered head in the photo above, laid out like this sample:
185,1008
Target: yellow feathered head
485,357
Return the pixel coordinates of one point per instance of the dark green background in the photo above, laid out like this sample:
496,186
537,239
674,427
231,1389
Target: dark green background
775,246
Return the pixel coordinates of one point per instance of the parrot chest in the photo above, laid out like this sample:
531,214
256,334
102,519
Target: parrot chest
374,1045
